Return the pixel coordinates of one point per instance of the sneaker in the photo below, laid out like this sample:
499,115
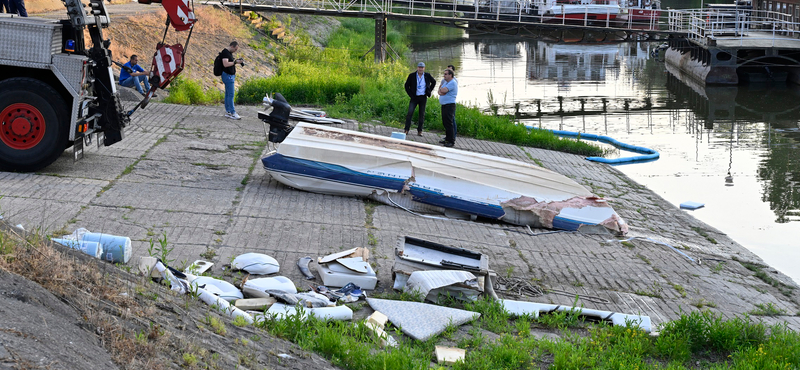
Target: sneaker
227,115
419,133
449,144
442,141
235,115
155,95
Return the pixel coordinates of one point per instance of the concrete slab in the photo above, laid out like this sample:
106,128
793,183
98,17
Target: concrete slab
181,170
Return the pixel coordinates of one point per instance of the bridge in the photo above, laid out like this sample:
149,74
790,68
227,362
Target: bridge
520,18
743,36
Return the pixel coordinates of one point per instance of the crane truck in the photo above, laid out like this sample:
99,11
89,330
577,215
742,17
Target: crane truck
57,88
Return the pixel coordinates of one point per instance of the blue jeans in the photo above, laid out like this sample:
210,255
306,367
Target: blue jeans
228,80
136,81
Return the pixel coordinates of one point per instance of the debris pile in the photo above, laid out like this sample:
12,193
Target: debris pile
425,269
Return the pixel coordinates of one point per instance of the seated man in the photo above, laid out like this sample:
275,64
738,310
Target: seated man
136,77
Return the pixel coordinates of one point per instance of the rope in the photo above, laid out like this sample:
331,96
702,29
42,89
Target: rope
518,287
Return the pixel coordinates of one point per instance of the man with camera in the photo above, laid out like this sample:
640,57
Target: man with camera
229,77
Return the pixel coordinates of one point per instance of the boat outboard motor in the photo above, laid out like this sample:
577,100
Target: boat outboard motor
278,118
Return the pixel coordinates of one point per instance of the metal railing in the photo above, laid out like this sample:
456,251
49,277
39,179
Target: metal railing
743,25
703,25
590,13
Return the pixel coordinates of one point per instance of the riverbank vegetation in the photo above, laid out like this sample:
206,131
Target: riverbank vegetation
344,79
700,339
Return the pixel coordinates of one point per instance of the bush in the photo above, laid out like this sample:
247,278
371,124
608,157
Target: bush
186,91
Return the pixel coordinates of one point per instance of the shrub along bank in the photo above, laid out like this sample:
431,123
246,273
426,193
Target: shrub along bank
349,84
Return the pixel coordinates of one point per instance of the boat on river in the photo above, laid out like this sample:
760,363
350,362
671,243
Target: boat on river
639,11
578,10
420,176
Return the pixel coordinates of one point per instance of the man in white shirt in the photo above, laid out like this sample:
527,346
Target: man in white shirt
419,86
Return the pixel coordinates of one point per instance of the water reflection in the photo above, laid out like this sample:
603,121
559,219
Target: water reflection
709,137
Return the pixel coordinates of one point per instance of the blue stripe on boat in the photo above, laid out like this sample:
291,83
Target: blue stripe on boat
435,198
281,163
567,224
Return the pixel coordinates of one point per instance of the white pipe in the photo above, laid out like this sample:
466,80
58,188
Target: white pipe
223,306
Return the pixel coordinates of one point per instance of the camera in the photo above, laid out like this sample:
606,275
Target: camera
241,62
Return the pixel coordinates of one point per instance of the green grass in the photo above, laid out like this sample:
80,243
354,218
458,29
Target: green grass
350,85
767,309
191,92
699,338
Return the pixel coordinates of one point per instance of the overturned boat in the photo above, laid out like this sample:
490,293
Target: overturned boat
429,178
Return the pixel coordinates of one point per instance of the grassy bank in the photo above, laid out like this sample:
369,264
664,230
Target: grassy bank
698,340
349,84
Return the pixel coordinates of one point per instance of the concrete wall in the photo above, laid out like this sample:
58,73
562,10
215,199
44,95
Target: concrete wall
714,74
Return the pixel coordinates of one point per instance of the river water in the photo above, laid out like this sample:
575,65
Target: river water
735,149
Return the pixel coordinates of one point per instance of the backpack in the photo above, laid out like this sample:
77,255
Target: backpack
218,65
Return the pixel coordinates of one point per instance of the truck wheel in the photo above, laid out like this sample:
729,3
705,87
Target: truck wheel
33,133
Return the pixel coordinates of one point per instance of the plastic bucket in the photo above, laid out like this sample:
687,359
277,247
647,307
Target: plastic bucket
117,249
93,249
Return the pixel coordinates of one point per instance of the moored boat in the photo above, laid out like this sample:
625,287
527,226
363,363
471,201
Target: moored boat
638,11
578,10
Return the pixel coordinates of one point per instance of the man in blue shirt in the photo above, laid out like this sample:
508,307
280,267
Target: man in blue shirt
419,86
447,98
135,78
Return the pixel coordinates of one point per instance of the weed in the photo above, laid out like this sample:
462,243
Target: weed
216,324
759,273
161,250
190,92
628,244
190,359
718,267
562,319
493,316
702,302
141,337
704,234
767,309
240,321
450,330
523,325
679,289
209,254
643,258
510,272
654,291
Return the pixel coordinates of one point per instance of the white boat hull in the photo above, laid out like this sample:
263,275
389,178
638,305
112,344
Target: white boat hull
341,162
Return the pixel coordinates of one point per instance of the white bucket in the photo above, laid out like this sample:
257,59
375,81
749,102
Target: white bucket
117,249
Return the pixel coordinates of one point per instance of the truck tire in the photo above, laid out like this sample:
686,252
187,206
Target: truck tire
33,124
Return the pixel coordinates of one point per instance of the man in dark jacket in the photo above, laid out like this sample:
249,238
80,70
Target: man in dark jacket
419,86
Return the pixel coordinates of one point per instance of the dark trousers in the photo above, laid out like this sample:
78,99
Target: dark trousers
17,7
4,6
421,101
449,122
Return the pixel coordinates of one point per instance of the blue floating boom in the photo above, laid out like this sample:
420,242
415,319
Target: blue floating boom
647,153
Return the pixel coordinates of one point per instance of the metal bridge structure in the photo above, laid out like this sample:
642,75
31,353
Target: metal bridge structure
519,18
577,21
